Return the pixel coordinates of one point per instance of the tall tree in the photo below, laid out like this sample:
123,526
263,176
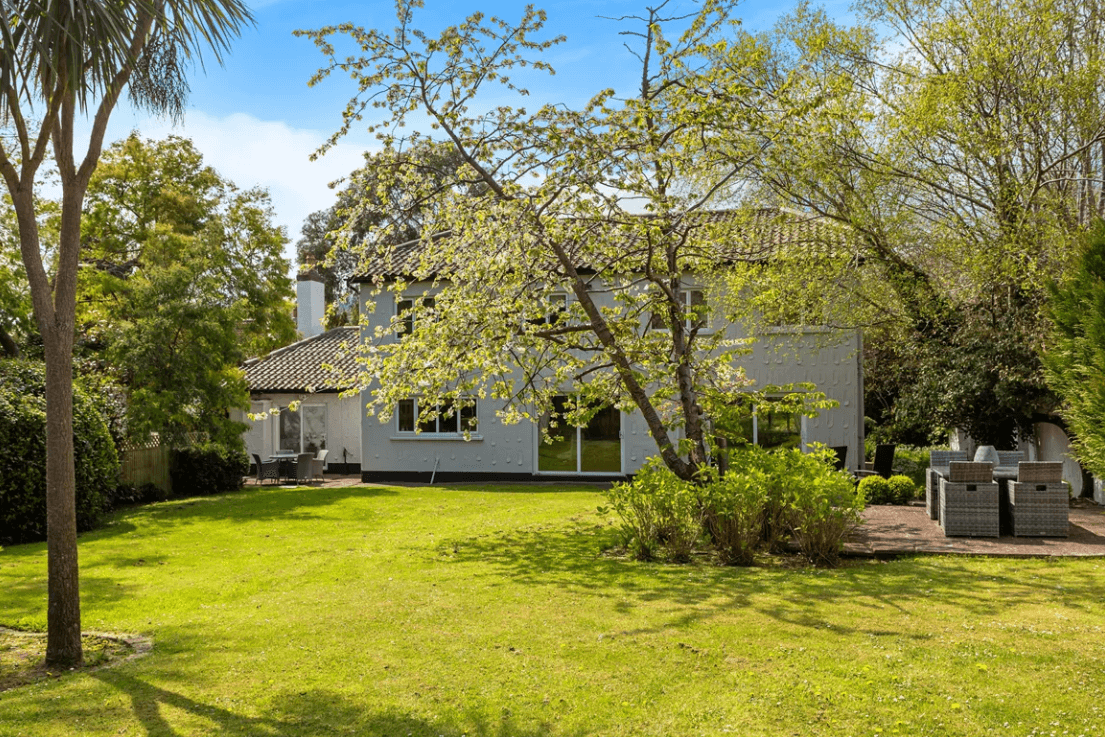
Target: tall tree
182,278
333,238
60,61
1075,357
964,143
548,204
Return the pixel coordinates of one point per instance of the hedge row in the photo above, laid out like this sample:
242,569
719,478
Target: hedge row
199,470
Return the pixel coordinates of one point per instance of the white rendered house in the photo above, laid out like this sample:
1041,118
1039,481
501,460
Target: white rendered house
477,445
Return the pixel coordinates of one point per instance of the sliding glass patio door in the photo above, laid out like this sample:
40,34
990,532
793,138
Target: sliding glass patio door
593,448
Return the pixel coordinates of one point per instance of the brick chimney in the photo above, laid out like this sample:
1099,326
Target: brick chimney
310,296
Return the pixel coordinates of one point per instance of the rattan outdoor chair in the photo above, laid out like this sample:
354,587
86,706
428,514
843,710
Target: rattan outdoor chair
969,500
1039,501
267,469
938,458
319,465
304,466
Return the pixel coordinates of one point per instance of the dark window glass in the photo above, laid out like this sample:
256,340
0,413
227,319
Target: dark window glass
406,415
468,419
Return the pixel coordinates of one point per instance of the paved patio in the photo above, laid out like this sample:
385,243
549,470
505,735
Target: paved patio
890,531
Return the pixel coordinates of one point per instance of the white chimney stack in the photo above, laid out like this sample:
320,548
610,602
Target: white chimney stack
310,296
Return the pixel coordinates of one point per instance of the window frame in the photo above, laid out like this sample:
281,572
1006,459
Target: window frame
803,428
468,413
299,412
404,316
656,322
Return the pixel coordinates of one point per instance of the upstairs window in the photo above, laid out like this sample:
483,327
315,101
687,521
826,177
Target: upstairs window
694,307
404,310
558,304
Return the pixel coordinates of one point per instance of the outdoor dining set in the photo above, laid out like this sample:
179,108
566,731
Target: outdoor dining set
291,466
996,493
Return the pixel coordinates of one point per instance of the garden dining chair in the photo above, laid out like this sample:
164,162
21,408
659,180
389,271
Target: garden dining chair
1039,501
266,469
938,459
969,500
319,465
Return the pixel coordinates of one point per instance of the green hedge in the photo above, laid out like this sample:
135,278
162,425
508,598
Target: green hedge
207,468
23,455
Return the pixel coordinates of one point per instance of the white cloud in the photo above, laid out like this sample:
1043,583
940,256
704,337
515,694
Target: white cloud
269,154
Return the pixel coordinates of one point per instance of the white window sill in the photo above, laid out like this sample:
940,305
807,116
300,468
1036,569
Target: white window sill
794,330
438,436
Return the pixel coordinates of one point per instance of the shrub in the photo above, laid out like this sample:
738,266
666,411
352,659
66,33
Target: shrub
824,508
734,512
208,468
902,489
126,494
658,510
876,490
23,455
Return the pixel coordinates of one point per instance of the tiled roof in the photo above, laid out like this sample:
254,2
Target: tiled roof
299,367
751,235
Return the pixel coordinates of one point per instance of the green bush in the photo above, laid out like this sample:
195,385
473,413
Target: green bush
127,494
207,468
658,510
902,489
824,506
765,499
734,513
23,455
913,462
876,490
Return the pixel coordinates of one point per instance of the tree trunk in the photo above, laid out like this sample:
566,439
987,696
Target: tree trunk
63,614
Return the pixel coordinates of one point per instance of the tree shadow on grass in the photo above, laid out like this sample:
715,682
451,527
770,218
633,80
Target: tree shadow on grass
571,558
296,713
251,504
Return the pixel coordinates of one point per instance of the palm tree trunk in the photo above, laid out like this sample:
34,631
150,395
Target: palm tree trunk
63,614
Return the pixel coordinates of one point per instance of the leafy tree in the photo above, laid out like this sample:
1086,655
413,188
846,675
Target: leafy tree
15,304
963,144
1075,357
183,278
548,203
57,61
333,238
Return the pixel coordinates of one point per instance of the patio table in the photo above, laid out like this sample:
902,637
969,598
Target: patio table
1003,475
287,462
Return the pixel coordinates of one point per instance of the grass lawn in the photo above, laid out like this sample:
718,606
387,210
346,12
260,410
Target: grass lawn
489,611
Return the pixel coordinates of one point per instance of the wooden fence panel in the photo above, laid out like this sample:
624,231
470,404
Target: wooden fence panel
147,463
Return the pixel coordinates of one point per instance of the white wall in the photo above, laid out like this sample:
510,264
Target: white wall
832,362
343,425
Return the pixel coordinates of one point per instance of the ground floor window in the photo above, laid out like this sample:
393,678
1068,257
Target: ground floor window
304,430
772,428
593,448
447,418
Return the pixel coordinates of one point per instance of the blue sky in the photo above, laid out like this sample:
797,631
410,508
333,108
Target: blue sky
257,122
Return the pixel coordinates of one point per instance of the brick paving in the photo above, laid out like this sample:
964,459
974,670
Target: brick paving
890,531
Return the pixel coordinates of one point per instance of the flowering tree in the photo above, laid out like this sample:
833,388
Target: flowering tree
571,248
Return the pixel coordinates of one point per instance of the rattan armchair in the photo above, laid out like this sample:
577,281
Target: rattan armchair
969,500
1039,501
266,469
938,459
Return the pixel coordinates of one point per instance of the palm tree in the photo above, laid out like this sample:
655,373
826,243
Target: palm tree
60,59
